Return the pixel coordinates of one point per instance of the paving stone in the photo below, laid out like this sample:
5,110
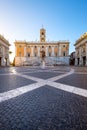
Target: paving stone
43,75
77,80
80,69
45,108
9,82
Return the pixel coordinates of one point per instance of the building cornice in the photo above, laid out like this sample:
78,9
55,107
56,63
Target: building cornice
4,40
84,36
40,43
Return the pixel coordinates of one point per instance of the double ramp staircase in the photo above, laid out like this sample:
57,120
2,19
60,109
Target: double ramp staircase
49,61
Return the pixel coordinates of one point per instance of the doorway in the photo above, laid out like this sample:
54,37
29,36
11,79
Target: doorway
84,60
78,61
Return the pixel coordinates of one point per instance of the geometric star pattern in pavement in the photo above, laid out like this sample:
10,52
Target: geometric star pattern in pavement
43,99
39,82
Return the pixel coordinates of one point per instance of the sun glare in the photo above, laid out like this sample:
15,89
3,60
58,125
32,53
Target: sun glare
12,53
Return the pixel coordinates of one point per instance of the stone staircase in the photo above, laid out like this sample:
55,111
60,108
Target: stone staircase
49,61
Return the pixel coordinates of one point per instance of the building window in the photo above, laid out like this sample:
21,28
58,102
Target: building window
78,53
42,46
20,54
20,46
35,55
56,54
63,45
6,51
35,46
28,54
83,49
49,54
42,33
49,46
64,54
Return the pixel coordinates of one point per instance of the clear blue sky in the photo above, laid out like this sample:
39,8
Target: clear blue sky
62,19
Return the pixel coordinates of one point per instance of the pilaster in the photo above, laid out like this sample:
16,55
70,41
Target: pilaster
59,50
80,55
76,63
32,51
15,51
38,51
24,51
46,50
52,50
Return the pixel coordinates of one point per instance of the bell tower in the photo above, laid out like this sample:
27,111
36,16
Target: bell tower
42,35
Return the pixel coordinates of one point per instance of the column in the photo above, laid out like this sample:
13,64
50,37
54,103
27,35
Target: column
3,61
46,50
76,62
3,51
86,54
15,50
59,50
80,56
3,57
38,51
32,51
25,51
52,50
7,62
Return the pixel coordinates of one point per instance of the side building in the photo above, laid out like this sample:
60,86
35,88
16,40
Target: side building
4,51
29,53
81,51
72,58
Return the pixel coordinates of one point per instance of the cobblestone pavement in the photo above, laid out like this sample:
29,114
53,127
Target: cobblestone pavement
77,80
54,98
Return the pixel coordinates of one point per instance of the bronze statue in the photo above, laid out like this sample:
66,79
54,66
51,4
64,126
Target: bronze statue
43,54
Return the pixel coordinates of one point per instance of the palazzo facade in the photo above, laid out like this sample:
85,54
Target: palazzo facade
81,51
29,53
4,51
